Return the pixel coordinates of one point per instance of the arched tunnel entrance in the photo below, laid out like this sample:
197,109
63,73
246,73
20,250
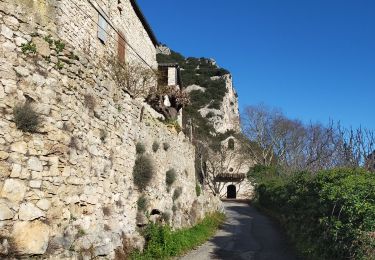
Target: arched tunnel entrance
231,192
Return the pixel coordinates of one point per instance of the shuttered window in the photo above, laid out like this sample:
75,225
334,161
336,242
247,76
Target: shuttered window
121,47
102,27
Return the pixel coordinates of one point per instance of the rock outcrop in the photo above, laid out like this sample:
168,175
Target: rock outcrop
226,118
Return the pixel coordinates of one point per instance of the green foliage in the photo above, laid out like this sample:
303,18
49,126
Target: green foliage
177,193
163,243
142,204
28,47
59,45
198,189
155,146
26,118
170,177
143,171
48,39
329,215
59,65
199,71
140,148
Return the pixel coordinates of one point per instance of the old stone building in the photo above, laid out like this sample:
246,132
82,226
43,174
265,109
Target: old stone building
234,174
67,185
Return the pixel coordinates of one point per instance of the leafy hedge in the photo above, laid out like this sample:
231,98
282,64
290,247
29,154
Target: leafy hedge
329,215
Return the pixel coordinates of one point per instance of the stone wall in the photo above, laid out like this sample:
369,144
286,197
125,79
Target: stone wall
67,190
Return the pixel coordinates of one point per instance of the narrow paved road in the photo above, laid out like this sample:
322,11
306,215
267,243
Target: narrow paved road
246,234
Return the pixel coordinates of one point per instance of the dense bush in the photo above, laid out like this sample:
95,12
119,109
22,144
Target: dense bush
170,177
329,215
25,117
177,193
142,204
163,243
143,171
166,146
155,146
140,148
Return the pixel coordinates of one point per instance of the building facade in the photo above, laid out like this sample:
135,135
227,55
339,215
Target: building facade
235,166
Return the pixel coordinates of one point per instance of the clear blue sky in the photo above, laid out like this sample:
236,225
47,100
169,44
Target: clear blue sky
314,59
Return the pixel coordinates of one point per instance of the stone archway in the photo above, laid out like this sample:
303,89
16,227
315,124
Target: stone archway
231,192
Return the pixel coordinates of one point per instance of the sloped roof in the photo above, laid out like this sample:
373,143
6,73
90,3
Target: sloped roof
146,25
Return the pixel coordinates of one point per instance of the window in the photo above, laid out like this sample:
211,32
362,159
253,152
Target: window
102,26
121,47
231,144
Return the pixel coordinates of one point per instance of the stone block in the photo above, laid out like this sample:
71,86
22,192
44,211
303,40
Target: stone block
43,204
19,147
34,164
14,190
29,211
31,238
5,212
6,32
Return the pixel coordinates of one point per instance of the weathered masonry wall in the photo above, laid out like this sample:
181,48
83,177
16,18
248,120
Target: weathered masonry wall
67,190
77,24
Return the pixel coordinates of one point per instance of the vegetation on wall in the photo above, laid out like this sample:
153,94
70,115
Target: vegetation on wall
163,243
143,171
198,71
26,118
170,177
329,215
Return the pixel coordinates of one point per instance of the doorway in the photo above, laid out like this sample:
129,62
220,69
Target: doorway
231,192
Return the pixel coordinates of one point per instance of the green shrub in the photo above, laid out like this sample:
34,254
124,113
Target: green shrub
163,243
177,193
107,211
142,204
25,117
327,214
143,171
166,216
155,146
198,189
28,47
166,146
90,101
140,148
59,45
170,177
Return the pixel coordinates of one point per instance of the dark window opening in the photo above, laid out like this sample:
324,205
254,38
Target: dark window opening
231,192
231,144
163,76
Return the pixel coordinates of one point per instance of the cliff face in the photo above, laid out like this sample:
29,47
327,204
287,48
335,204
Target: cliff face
214,102
226,118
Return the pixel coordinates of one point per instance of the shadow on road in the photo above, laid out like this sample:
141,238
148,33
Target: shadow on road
247,234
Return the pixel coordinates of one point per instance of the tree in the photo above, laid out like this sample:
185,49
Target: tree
214,164
293,145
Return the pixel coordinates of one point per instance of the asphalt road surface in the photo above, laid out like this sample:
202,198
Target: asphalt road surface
246,234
